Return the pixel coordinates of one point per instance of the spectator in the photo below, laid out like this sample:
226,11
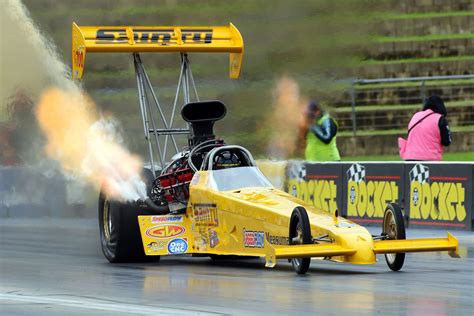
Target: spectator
428,132
320,135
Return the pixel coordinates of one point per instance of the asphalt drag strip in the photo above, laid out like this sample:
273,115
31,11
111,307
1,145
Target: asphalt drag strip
55,267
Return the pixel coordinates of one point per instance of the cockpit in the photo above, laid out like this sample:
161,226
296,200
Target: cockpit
232,168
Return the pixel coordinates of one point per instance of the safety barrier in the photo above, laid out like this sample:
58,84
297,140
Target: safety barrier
435,195
432,194
30,192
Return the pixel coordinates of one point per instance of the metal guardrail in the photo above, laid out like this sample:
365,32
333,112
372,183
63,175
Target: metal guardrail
422,81
405,79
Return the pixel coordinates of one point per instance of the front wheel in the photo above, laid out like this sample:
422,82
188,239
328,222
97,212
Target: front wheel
394,228
300,234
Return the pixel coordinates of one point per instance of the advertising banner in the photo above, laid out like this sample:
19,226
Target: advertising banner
368,187
435,195
319,184
439,195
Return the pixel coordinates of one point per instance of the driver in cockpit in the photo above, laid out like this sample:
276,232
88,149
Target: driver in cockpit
226,159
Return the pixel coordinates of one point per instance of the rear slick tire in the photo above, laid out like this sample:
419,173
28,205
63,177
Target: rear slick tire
300,234
119,231
394,228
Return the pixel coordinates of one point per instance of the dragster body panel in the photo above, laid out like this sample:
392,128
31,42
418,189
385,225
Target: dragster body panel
254,221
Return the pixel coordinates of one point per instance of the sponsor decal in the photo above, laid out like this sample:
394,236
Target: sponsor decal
153,36
167,219
155,245
165,231
277,240
205,215
254,239
178,246
213,239
367,196
79,58
200,242
436,198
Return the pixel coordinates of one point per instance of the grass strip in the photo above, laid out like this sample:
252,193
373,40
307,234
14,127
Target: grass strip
408,84
417,60
460,156
423,38
389,107
425,15
457,129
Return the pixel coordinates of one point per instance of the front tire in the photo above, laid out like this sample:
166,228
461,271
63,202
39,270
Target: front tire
300,234
394,228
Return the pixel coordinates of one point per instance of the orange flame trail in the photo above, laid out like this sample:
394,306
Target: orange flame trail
288,107
87,146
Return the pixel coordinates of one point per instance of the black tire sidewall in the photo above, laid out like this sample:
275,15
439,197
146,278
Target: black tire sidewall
396,210
125,243
108,246
299,215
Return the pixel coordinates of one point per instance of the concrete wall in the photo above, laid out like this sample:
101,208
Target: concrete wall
36,192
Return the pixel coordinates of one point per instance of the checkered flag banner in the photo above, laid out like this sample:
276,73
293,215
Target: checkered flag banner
419,173
297,170
356,173
302,173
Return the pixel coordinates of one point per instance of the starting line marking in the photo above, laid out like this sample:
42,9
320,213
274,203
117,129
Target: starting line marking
112,307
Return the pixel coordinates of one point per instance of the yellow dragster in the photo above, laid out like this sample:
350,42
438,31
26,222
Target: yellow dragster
236,211
210,198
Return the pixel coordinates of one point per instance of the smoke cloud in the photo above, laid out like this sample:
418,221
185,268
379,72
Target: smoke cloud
87,145
28,60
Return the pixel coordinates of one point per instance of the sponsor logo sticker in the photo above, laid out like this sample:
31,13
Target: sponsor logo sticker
205,215
200,242
165,231
213,239
167,219
155,246
161,36
254,239
177,246
277,240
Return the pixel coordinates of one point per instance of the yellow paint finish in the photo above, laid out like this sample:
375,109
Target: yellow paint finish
316,250
418,245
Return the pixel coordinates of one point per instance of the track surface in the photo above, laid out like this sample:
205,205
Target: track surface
56,268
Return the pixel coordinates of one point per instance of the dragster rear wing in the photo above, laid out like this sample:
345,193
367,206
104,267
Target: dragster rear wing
184,39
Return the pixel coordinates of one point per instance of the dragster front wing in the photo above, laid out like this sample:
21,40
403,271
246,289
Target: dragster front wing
450,244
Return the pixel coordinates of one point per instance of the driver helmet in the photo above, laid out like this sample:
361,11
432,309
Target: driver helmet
227,159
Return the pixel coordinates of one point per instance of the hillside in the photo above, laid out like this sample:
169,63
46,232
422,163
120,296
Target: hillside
318,43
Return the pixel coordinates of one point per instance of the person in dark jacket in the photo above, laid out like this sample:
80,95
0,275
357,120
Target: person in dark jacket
428,132
321,135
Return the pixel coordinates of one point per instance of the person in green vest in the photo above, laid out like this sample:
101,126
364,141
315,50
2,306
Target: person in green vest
321,135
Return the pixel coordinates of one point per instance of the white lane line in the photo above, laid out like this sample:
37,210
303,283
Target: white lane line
112,307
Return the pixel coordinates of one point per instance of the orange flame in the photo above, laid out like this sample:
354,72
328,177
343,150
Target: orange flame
87,146
287,116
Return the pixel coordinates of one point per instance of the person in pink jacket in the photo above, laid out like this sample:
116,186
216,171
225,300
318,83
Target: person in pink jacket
428,132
